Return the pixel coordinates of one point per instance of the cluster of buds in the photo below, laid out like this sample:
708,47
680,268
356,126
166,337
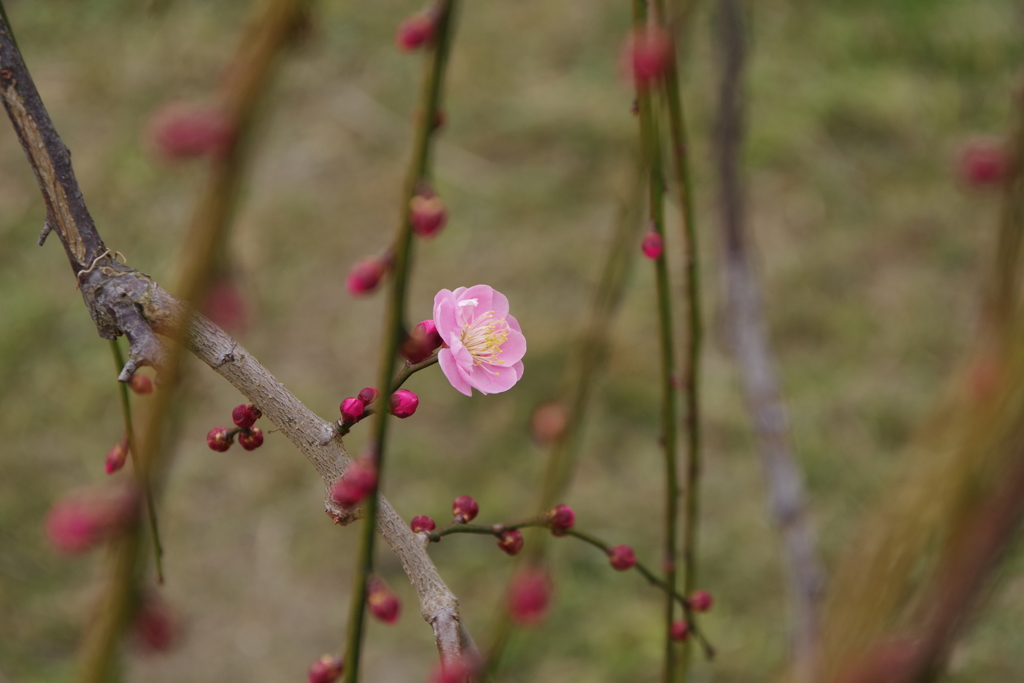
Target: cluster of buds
75,525
382,602
561,519
358,482
327,669
421,343
249,437
402,403
699,601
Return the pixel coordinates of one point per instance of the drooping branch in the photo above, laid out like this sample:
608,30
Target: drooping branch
122,300
753,356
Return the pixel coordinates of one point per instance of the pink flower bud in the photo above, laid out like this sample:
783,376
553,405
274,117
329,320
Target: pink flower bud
458,670
422,523
365,275
351,410
75,525
181,131
382,602
245,415
403,403
250,439
155,628
548,422
427,214
219,439
358,482
652,245
701,601
622,557
465,509
529,596
648,54
327,669
984,162
511,541
680,630
116,456
141,384
423,341
368,395
562,519
415,31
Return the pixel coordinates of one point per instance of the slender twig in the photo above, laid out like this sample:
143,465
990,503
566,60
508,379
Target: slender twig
143,483
650,140
753,357
394,329
410,369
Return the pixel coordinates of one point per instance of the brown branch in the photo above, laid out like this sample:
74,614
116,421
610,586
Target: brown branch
122,300
754,359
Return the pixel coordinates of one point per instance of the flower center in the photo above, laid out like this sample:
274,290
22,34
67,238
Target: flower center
483,338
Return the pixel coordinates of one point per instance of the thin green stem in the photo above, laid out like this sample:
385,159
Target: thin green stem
394,328
143,480
679,152
650,140
409,370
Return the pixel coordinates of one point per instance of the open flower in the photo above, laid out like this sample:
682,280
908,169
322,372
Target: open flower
483,344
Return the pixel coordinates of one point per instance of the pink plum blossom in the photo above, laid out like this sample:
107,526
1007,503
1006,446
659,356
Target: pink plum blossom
483,344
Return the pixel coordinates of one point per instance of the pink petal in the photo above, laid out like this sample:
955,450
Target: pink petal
518,367
493,379
513,323
445,318
463,358
485,299
514,347
451,370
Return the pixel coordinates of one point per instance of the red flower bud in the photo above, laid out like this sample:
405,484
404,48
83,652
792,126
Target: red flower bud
422,523
465,509
652,245
458,670
327,669
351,410
422,342
427,214
181,131
382,602
116,456
622,557
155,628
984,162
403,403
141,384
648,54
511,541
529,596
358,482
701,601
562,519
246,415
75,525
415,31
368,395
219,439
251,439
365,275
680,630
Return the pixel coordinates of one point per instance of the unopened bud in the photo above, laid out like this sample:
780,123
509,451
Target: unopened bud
680,630
454,670
75,525
327,669
622,557
365,275
141,384
181,131
219,439
358,482
116,456
984,162
351,410
415,31
465,509
382,602
422,342
511,541
529,596
648,54
155,628
250,439
701,601
404,403
652,245
368,395
548,422
422,523
245,415
562,519
427,214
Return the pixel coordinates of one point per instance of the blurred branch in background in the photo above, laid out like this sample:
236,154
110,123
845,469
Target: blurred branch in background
748,338
921,563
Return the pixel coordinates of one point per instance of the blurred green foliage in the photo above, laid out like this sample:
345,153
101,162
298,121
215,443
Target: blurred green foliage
870,250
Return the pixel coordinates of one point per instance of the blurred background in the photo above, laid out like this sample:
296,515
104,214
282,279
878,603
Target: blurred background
870,242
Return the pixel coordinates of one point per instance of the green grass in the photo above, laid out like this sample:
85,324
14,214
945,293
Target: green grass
870,250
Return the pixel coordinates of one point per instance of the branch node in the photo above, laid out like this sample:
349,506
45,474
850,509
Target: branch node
47,229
